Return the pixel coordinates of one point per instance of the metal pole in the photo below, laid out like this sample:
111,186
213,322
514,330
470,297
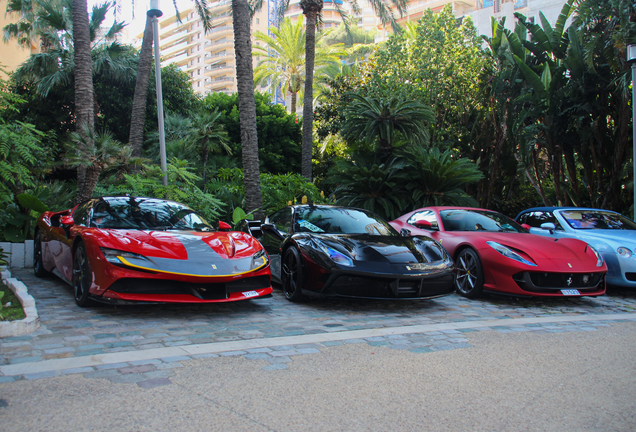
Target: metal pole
162,132
634,129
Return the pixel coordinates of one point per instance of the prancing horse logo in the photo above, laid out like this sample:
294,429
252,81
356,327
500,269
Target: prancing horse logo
569,281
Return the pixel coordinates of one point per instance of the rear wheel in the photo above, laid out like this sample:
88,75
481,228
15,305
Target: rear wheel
470,274
82,275
38,267
292,275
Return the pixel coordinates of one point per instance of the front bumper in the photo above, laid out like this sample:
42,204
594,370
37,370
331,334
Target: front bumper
385,287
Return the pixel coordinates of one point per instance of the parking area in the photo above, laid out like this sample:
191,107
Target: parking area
69,331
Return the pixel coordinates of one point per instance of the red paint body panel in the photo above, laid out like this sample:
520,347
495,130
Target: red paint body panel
562,256
58,245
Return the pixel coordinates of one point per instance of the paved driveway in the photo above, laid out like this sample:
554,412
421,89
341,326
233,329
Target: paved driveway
69,331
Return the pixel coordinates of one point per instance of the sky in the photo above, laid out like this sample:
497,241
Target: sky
136,25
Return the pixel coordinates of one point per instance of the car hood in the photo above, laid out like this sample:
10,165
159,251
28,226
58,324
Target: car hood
384,249
537,246
624,237
184,252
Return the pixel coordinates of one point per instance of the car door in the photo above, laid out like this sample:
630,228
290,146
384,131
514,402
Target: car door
274,231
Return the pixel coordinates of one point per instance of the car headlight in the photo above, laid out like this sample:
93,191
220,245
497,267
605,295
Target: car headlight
112,255
599,258
259,259
337,257
509,253
624,252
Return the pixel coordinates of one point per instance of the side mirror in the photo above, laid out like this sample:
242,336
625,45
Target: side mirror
423,224
548,226
67,221
526,227
224,226
405,232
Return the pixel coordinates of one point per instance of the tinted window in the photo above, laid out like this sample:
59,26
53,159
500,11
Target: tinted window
536,218
478,220
340,221
282,219
145,213
586,219
427,215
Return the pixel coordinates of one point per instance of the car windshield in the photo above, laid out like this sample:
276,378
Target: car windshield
145,214
326,220
594,219
478,220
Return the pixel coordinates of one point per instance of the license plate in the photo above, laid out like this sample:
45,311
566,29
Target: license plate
570,292
254,293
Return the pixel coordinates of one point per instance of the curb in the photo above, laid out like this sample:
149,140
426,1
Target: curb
32,320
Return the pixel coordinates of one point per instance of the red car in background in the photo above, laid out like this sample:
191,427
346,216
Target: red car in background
119,249
494,253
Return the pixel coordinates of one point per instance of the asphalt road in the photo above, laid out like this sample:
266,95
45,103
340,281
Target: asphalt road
519,381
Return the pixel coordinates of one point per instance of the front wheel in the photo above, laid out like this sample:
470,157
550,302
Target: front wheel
470,274
82,276
292,275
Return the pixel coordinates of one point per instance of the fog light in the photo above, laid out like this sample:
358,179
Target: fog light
586,279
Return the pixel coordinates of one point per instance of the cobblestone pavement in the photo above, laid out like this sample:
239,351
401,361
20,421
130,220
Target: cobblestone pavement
69,331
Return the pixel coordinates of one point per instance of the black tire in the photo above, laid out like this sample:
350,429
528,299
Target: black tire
82,275
292,275
470,274
38,267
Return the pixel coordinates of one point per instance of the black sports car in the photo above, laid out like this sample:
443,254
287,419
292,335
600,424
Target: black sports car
320,250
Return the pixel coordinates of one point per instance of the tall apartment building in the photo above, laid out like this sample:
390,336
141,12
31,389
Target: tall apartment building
208,58
12,55
481,12
507,8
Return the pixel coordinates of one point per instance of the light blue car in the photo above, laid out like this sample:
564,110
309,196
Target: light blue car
610,233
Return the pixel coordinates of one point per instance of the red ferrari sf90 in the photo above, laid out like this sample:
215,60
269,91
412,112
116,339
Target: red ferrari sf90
494,253
118,249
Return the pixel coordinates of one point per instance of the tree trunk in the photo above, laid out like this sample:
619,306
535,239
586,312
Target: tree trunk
294,95
247,107
310,8
92,175
138,116
84,97
204,158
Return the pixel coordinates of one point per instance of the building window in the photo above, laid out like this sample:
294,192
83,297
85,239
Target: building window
198,59
198,72
258,21
199,84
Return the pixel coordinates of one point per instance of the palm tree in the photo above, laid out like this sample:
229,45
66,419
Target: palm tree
373,118
312,8
286,66
96,153
247,106
371,185
439,177
84,97
245,83
210,136
138,115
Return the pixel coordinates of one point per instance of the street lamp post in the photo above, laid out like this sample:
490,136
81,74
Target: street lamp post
154,12
631,58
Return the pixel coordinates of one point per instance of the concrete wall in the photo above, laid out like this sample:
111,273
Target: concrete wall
21,254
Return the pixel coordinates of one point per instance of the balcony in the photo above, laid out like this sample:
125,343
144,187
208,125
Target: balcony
218,70
219,45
